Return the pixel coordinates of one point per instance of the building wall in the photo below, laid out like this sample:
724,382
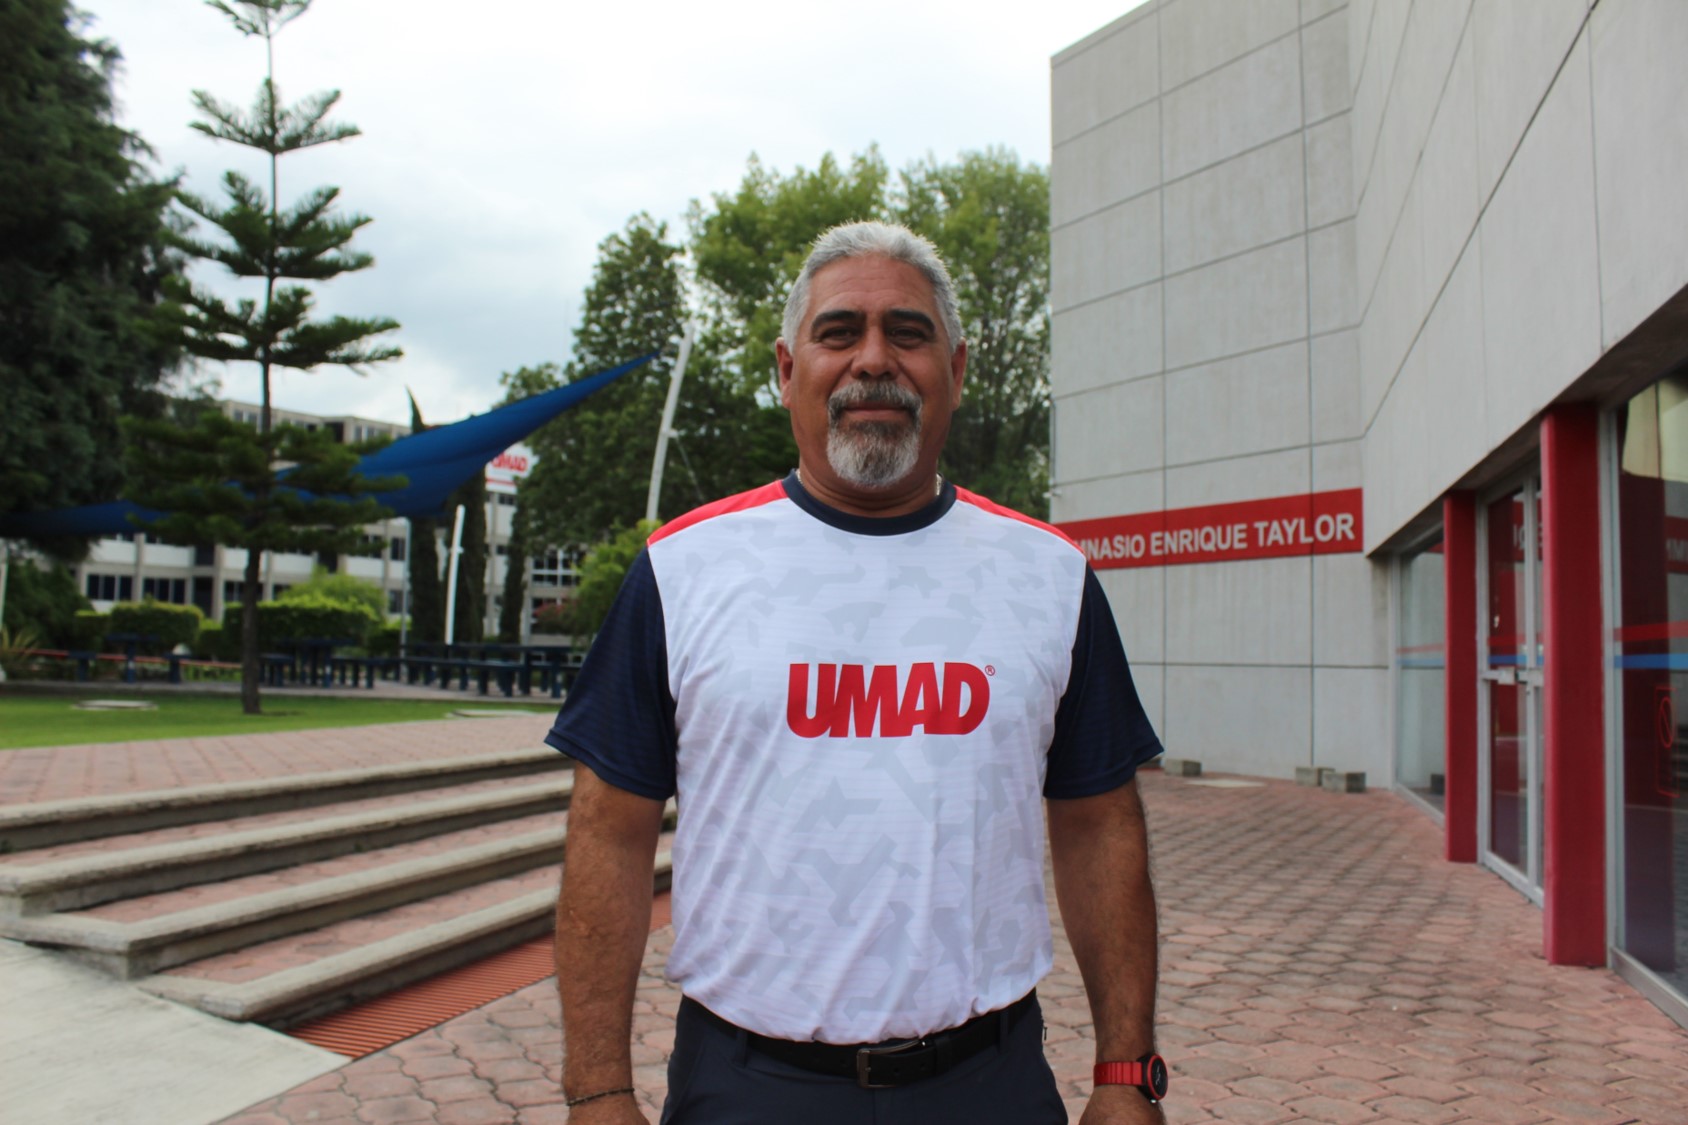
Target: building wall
1518,175
1206,352
1302,245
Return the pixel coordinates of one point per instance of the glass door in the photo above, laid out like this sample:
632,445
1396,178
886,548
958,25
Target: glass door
1511,690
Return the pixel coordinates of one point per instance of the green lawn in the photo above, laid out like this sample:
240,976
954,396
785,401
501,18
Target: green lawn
51,719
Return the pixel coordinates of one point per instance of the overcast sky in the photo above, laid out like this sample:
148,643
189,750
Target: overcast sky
504,139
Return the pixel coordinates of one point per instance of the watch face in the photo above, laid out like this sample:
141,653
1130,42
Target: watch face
1157,1077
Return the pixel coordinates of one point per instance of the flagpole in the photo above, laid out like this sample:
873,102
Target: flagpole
451,569
667,429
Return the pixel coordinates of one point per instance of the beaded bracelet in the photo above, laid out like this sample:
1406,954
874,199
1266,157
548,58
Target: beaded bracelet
572,1102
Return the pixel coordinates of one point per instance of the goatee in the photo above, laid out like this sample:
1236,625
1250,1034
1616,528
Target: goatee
872,454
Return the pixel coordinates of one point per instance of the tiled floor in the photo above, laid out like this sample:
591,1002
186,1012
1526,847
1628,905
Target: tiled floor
1319,963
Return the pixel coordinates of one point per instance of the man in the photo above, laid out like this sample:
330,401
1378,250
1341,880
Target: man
861,682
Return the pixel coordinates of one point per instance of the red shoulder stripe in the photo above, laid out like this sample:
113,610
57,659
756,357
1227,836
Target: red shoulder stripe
744,501
996,509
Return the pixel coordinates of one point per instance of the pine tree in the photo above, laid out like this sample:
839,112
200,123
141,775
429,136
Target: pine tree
427,591
262,241
83,252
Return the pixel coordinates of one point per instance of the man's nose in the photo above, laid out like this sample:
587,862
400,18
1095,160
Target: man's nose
874,356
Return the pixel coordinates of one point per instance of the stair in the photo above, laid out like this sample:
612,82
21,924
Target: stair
284,900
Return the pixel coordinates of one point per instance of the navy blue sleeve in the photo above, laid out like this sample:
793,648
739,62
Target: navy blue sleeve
618,718
1101,732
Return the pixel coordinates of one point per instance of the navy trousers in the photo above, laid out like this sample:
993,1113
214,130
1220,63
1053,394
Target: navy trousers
716,1078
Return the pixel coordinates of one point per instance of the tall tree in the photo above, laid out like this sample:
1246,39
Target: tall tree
593,462
263,242
427,592
988,214
83,253
749,245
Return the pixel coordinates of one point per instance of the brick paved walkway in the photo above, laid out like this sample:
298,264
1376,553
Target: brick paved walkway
1320,963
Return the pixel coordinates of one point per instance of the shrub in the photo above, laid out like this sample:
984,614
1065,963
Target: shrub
168,625
88,630
555,618
311,618
43,600
219,641
383,640
338,588
602,571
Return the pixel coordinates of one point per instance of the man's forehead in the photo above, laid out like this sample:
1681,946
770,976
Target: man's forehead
871,283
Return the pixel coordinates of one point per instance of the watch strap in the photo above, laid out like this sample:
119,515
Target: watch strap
1119,1074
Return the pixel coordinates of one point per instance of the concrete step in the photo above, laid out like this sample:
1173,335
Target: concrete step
208,829
161,937
86,880
23,827
307,988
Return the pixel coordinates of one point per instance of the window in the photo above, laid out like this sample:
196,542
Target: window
556,567
1421,764
1652,663
232,592
395,598
173,590
110,587
397,548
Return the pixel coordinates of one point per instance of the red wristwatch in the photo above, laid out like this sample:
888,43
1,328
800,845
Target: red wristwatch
1148,1074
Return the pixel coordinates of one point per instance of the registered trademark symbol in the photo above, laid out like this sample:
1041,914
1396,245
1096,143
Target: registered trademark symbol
990,669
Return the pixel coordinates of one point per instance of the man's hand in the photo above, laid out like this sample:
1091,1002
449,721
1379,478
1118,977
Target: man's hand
620,1109
1100,852
1121,1105
603,920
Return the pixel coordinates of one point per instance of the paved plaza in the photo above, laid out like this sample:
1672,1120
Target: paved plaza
1320,963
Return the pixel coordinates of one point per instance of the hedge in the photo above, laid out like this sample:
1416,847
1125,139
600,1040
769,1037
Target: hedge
169,625
383,640
219,640
307,618
88,632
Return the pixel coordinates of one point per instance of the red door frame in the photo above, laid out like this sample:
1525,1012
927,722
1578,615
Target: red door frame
1459,566
1574,695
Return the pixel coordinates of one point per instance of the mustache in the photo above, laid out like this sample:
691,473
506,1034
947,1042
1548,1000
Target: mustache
871,394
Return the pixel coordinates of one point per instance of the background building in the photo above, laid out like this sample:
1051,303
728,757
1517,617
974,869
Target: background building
1369,356
131,567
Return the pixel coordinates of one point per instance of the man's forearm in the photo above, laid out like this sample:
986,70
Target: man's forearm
1099,850
603,921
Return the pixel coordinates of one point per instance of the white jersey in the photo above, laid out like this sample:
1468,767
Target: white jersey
861,718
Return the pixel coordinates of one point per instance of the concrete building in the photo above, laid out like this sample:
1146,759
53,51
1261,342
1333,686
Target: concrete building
1370,355
132,567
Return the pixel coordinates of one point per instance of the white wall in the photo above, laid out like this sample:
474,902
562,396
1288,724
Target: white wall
1519,169
1205,351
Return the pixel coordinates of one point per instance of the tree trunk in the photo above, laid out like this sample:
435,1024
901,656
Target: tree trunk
249,671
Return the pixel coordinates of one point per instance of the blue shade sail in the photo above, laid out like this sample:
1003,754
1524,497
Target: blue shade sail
435,462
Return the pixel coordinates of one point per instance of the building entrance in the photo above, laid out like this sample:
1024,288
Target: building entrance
1510,694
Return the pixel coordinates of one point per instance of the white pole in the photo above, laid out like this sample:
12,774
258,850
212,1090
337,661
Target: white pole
451,571
667,430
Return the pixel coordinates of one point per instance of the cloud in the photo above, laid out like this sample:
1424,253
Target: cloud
504,140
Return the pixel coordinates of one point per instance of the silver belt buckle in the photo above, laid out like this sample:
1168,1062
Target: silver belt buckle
866,1055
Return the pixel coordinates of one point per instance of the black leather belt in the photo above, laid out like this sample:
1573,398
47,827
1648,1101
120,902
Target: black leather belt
895,1062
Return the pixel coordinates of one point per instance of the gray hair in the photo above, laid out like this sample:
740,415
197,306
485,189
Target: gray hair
866,239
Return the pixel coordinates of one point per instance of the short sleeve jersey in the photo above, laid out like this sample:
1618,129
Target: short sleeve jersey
860,718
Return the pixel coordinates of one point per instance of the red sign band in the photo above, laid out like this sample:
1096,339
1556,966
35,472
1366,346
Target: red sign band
1320,523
